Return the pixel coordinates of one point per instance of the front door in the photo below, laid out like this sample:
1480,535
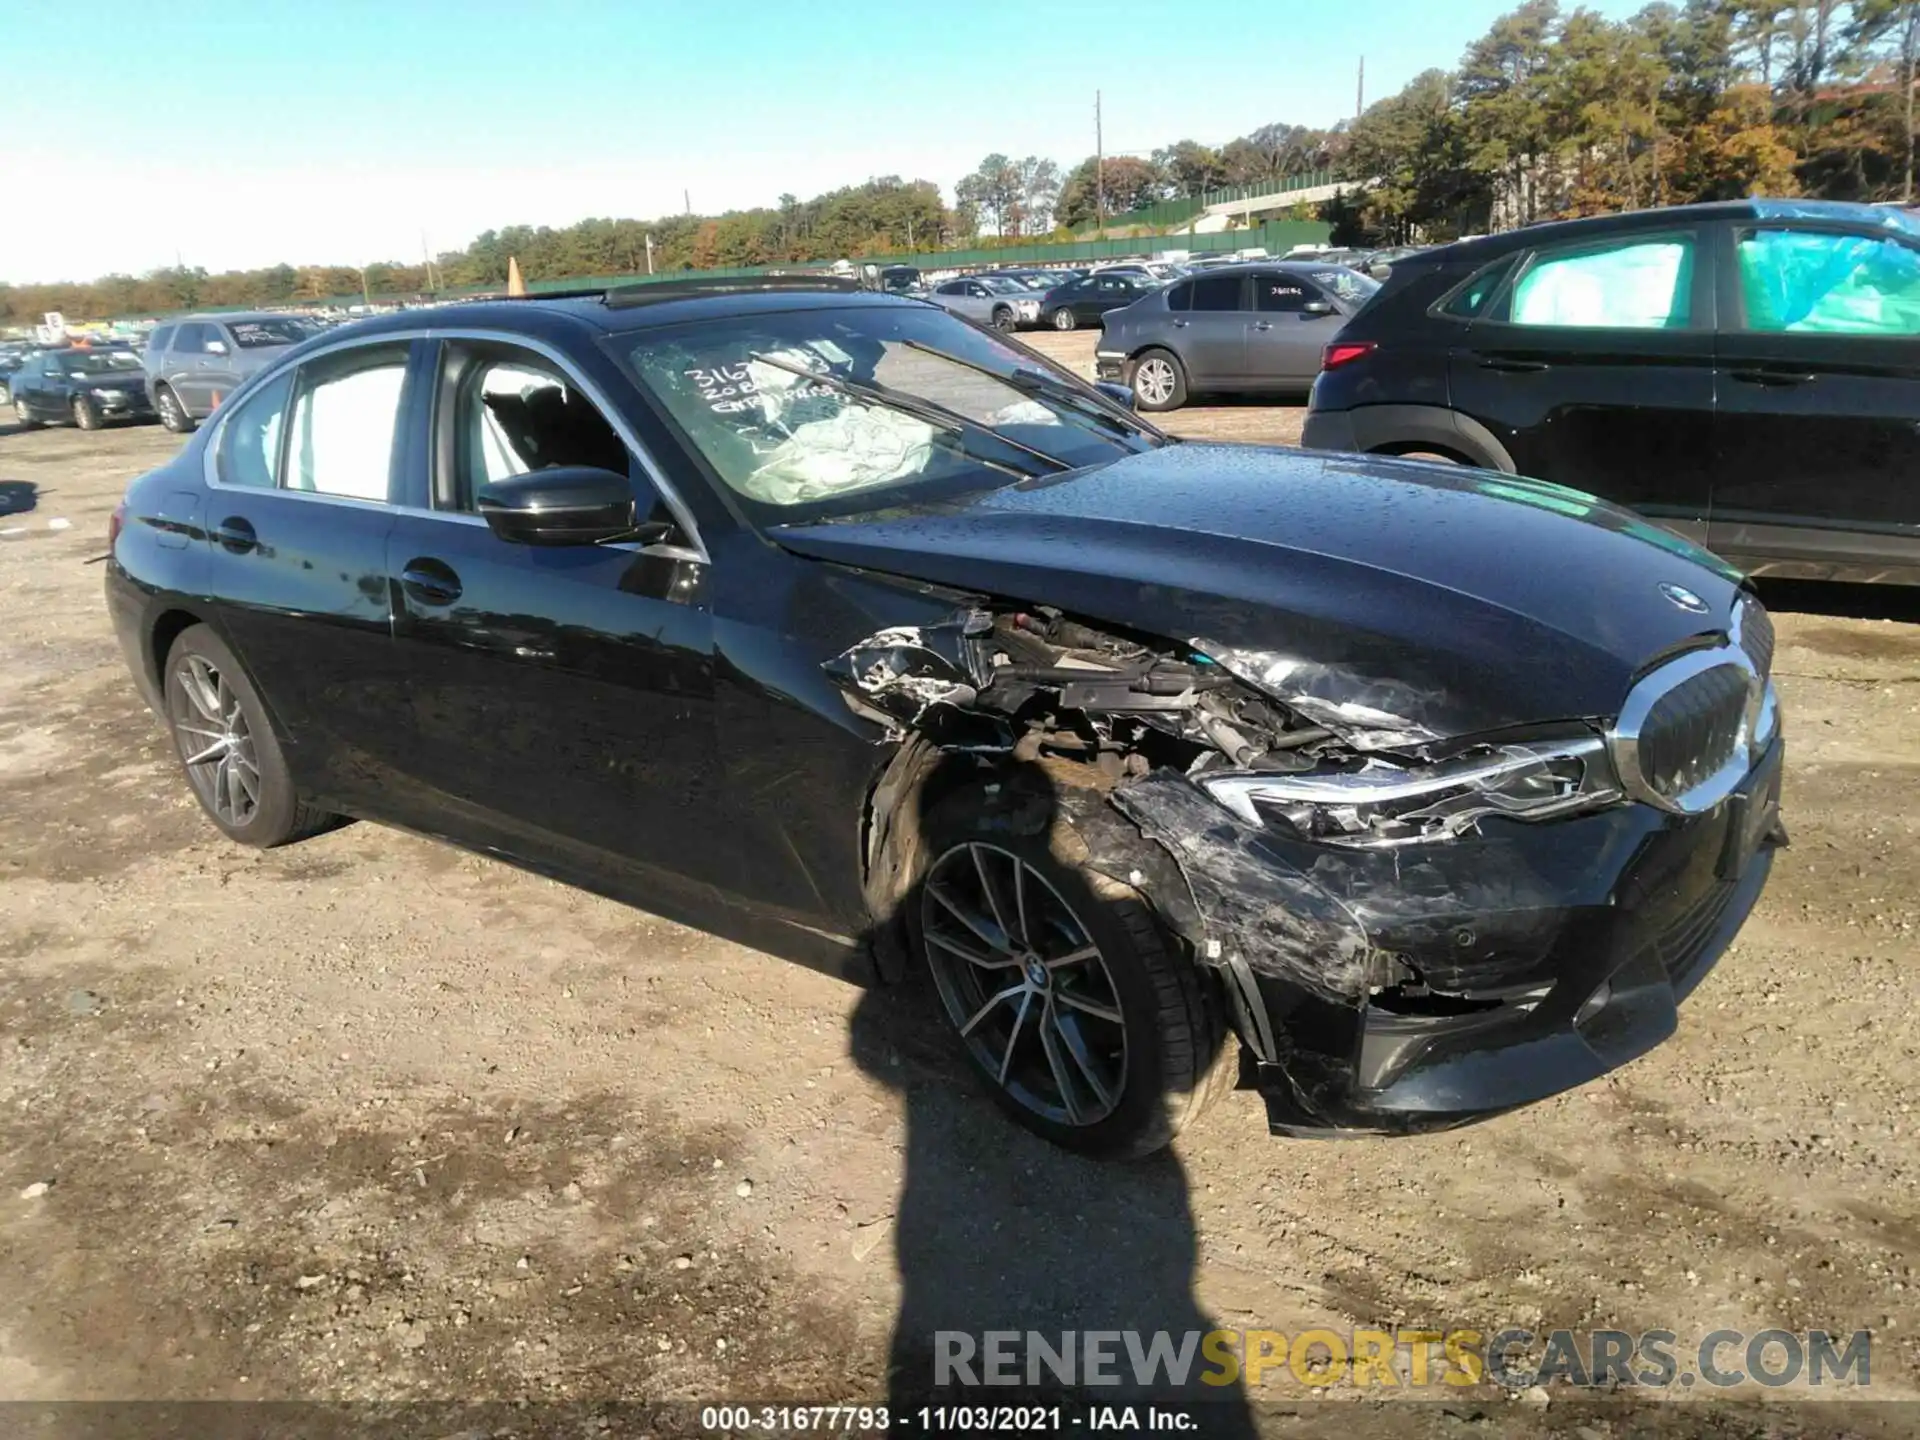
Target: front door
184,367
561,697
220,366
1817,436
1291,323
297,523
1594,368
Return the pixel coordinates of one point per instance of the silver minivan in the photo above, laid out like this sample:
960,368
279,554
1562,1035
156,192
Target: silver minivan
194,363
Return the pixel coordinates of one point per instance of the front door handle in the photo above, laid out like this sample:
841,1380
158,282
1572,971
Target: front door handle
1773,377
236,535
431,582
1181,324
1263,324
1513,367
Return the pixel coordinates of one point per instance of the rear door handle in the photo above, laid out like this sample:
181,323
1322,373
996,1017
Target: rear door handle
1263,324
236,535
1181,324
1513,367
430,581
1774,377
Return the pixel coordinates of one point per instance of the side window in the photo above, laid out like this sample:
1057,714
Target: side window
510,412
1217,292
1641,284
1180,297
192,339
977,290
160,339
250,440
1281,293
952,287
346,413
1470,299
215,340
1815,282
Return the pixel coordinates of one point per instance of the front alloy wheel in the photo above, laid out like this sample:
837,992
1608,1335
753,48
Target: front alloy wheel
1025,984
173,415
1063,318
1003,319
84,413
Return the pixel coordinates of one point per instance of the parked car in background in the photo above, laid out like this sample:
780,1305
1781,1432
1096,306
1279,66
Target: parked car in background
990,299
1257,327
1379,263
1747,373
1086,300
10,361
1450,807
1158,272
1038,281
84,385
194,363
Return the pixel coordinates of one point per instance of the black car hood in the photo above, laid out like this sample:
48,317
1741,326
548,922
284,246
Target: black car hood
1401,601
113,379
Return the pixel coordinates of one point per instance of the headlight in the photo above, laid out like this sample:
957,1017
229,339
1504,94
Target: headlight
1029,308
1381,803
104,393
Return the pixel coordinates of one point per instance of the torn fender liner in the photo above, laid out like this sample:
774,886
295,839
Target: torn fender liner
1253,903
903,672
1369,713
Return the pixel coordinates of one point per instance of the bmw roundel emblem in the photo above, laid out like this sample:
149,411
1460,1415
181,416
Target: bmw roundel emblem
1683,597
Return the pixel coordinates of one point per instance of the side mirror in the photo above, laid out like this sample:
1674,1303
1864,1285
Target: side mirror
216,347
1115,391
1317,307
566,505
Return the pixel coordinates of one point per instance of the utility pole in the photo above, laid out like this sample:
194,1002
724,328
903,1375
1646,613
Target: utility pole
1360,91
649,252
1099,169
687,196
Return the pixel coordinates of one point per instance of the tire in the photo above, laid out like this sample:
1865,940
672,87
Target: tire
1142,1047
173,415
1065,319
1159,381
227,748
6,393
20,415
1005,320
85,414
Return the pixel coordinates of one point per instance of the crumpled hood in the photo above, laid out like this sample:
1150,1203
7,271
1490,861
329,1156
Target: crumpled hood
1402,600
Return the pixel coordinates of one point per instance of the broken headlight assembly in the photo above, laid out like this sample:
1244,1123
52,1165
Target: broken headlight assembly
1378,802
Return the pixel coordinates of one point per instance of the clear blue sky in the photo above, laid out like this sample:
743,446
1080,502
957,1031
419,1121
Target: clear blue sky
340,130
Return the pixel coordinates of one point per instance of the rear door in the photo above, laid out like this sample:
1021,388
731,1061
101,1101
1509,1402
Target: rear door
1817,436
1209,330
220,369
183,368
1292,321
298,508
1593,366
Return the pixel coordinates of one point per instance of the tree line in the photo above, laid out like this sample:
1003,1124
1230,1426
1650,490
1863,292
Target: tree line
1552,113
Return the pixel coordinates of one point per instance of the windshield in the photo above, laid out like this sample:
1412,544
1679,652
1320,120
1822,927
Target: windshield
99,362
797,449
1001,285
1355,285
274,330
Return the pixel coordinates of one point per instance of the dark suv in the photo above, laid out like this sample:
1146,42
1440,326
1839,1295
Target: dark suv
1747,373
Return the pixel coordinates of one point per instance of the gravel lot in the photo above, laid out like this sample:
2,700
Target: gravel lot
372,1118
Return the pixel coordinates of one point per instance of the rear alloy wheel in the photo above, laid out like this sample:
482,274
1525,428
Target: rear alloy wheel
173,415
1063,318
85,414
1062,988
1003,319
1159,382
227,746
27,422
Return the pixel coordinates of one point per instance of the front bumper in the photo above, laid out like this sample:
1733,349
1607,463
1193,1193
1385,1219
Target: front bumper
1397,991
1110,365
1606,925
131,403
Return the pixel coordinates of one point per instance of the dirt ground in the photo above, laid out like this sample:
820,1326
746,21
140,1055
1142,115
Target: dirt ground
370,1118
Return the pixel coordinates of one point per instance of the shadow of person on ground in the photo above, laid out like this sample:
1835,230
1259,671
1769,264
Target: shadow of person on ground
1827,597
999,1230
17,497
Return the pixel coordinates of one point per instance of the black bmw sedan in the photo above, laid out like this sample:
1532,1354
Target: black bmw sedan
830,621
81,385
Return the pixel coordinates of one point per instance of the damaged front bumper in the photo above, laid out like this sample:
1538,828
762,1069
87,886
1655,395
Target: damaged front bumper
1425,987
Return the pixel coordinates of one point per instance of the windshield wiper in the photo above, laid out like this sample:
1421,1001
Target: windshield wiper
1095,407
930,411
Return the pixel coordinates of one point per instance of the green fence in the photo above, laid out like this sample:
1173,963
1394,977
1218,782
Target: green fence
1166,213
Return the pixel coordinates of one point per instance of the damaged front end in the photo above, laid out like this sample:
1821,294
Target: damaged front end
1414,930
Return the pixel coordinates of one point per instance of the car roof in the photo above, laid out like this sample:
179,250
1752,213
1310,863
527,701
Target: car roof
1486,247
628,308
231,316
